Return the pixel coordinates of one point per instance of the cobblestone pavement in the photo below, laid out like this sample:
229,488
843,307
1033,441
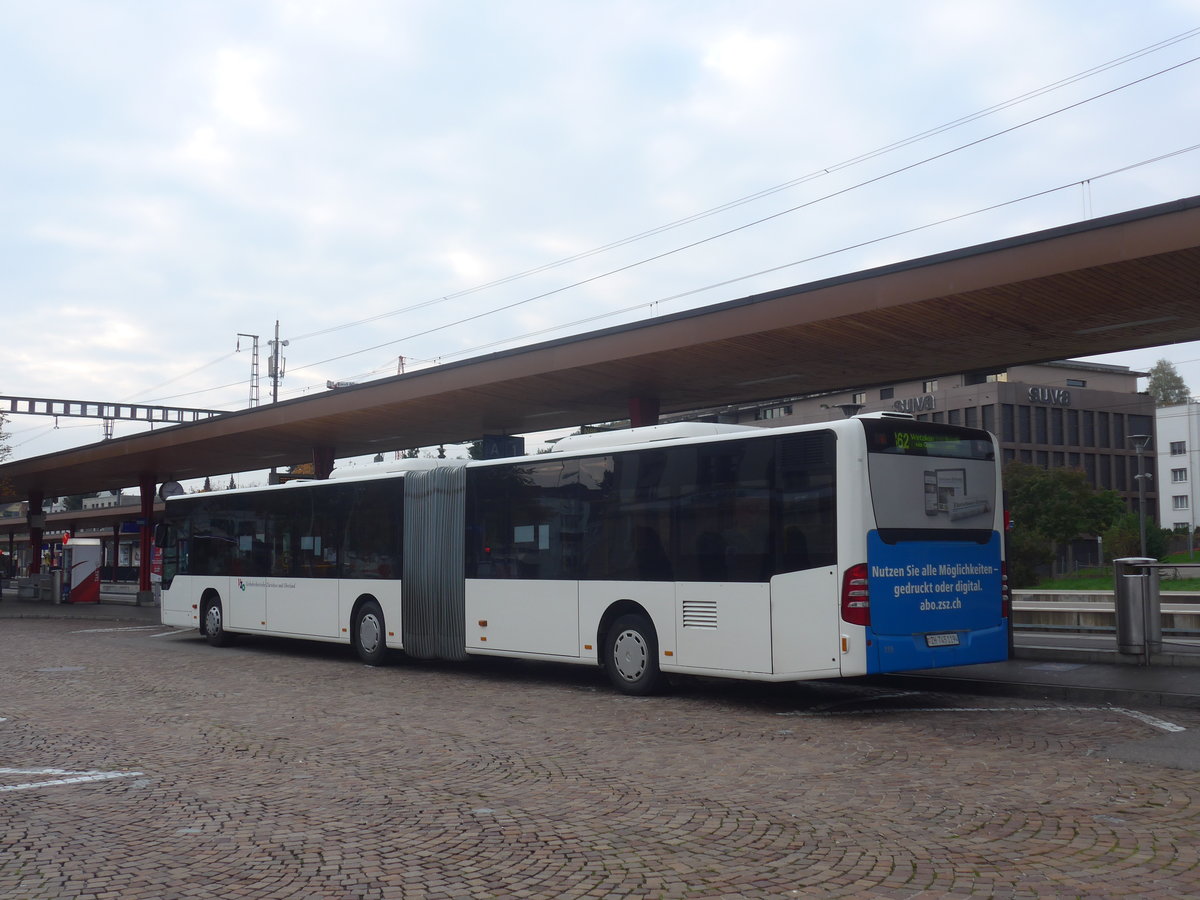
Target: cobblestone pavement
136,765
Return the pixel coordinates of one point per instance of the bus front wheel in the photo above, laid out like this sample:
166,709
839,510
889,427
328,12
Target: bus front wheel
214,625
369,636
631,655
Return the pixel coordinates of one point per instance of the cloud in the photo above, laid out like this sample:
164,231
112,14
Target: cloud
240,79
749,61
204,150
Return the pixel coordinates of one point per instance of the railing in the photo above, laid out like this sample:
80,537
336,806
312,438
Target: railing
1136,611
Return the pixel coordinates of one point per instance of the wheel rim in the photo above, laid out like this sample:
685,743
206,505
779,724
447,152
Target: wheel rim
212,620
630,655
369,633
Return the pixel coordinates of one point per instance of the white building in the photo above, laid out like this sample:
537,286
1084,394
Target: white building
108,499
1177,454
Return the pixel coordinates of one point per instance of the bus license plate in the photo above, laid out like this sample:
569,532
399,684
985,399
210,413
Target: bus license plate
941,640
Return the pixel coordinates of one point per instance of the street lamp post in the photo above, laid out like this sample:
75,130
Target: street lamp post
1140,442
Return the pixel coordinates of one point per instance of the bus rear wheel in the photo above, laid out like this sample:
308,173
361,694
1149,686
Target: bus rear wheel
214,624
631,656
369,636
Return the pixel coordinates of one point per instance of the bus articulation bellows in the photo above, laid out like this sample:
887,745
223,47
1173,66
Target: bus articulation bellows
867,545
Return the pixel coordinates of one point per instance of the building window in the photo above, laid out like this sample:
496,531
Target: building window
887,393
773,412
1185,527
1056,426
1024,425
1076,382
1179,501
1141,424
860,397
928,387
1178,475
979,378
1178,448
1008,422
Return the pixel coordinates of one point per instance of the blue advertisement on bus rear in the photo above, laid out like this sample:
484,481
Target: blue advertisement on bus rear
933,602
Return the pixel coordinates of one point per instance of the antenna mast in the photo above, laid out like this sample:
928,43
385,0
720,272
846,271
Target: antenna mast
277,364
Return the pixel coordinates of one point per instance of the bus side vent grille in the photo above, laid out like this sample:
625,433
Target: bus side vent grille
699,613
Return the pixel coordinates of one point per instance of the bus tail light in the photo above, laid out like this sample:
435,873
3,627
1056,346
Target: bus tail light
1005,593
856,600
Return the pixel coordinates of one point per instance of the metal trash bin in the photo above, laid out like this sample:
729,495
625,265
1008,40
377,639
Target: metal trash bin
49,585
1139,613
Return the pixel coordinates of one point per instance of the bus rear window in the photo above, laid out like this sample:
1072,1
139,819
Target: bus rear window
931,481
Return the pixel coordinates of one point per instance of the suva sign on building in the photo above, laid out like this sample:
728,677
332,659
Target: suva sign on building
1050,396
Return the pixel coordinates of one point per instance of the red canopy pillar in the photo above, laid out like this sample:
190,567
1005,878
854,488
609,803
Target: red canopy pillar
643,411
145,594
322,461
37,524
116,550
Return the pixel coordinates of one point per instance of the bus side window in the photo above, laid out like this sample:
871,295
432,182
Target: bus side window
653,564
794,556
805,491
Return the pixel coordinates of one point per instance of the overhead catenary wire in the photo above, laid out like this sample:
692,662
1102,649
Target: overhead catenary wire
855,246
759,221
769,191
207,365
872,154
744,277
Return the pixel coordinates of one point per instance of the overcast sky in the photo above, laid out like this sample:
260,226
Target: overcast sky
374,174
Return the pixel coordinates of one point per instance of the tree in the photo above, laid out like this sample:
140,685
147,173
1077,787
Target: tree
1166,385
1124,538
1051,507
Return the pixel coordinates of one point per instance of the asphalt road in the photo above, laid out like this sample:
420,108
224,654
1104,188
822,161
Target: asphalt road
138,762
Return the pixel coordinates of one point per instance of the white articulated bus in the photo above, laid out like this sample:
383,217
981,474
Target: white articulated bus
867,545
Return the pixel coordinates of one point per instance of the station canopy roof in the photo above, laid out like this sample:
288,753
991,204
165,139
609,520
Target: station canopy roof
1117,283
